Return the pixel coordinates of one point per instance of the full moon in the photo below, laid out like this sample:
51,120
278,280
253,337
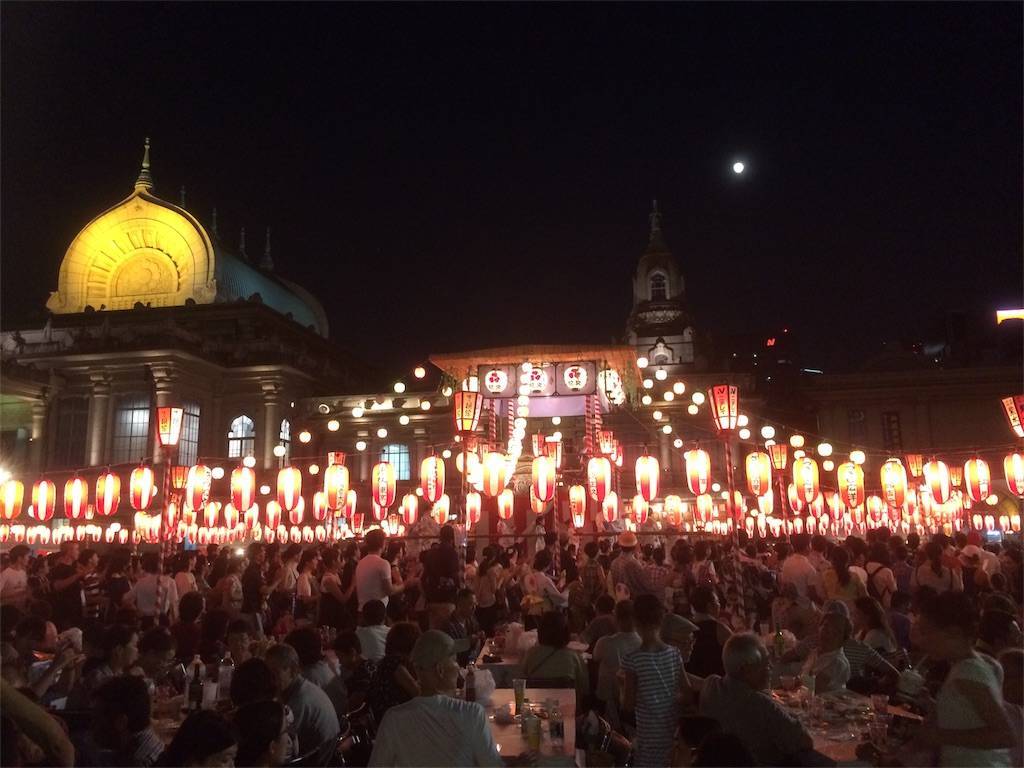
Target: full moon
738,167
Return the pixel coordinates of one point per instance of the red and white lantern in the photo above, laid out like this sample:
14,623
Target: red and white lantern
936,478
506,504
543,485
805,479
410,509
674,509
297,514
599,478
725,407
12,496
44,500
577,500
108,493
978,478
76,498
243,488
610,507
289,488
759,473
850,479
441,509
473,507
641,509
336,480
915,464
320,509
350,504
537,505
495,473
894,483
231,516
211,514
273,515
648,477
141,488
1013,467
383,482
197,486
432,478
698,471
705,507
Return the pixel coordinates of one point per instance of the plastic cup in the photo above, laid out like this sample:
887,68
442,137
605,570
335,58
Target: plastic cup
519,691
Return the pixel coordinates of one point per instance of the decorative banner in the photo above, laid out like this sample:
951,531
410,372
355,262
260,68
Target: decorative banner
648,477
76,498
289,488
894,483
506,504
142,488
383,485
599,478
850,478
336,486
698,471
759,473
108,493
432,478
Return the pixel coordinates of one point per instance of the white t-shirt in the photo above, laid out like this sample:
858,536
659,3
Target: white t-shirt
831,669
371,641
13,586
953,711
435,730
185,582
798,571
373,576
146,590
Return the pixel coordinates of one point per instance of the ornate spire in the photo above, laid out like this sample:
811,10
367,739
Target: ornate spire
267,262
656,241
241,245
145,180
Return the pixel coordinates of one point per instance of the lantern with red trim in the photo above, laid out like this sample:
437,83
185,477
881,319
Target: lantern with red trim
383,483
894,483
495,473
506,504
674,510
599,478
141,488
12,496
796,504
805,479
936,477
473,507
641,509
336,480
297,513
1013,467
725,407
251,518
441,509
197,486
320,509
698,470
875,506
243,488
759,473
705,507
577,500
648,477
76,498
850,479
554,448
44,500
466,406
231,515
379,512
606,441
915,464
432,478
610,507
979,479
273,514
211,513
1013,407
410,509
350,504
779,454
543,484
539,506
108,493
289,488
956,476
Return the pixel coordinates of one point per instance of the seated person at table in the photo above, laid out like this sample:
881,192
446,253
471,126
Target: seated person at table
463,625
434,728
551,659
348,690
742,706
827,662
307,644
121,732
315,720
608,654
706,658
156,654
394,680
120,650
262,734
186,631
604,623
252,681
240,640
374,632
204,739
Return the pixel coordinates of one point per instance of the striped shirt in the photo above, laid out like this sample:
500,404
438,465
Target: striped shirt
657,682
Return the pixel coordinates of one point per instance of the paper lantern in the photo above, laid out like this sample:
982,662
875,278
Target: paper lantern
336,482
273,514
875,506
641,509
432,478
894,483
410,509
537,505
674,509
759,473
12,496
251,518
577,500
350,504
805,479
553,446
44,500
197,486
1013,407
936,478
1013,467
698,470
470,460
725,407
141,488
543,484
441,509
648,475
320,508
766,503
231,515
466,406
168,424
850,479
915,464
978,478
779,454
76,498
108,493
383,484
473,507
606,441
243,488
289,488
610,507
211,513
796,504
599,478
297,514
506,504
495,473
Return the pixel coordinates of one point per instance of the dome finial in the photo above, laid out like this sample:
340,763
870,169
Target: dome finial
145,180
267,262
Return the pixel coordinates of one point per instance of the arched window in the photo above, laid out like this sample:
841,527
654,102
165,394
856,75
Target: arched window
659,287
284,437
397,454
242,438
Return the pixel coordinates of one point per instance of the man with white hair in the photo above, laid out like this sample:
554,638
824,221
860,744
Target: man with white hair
435,728
742,707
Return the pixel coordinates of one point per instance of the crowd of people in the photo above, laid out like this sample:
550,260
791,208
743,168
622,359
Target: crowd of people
685,637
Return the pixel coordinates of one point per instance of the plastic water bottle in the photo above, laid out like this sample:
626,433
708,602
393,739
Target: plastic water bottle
195,684
556,725
224,674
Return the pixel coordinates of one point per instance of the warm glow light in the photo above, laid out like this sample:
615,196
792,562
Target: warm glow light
648,383
432,478
857,457
691,409
698,398
656,415
333,425
399,387
543,478
217,473
141,488
669,396
642,362
698,470
424,405
280,451
305,436
679,388
824,449
850,479
383,484
646,399
805,479
648,477
661,374
667,429
403,420
249,461
738,168
289,488
743,434
759,473
797,441
742,421
419,372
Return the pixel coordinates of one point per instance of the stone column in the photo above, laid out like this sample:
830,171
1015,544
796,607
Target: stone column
99,407
40,408
271,389
164,377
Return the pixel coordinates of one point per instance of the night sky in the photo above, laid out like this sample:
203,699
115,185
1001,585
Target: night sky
444,177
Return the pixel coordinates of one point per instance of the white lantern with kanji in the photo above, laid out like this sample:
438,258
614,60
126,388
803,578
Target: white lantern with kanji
599,478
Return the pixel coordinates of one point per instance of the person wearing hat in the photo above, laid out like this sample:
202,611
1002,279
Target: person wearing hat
626,569
435,728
